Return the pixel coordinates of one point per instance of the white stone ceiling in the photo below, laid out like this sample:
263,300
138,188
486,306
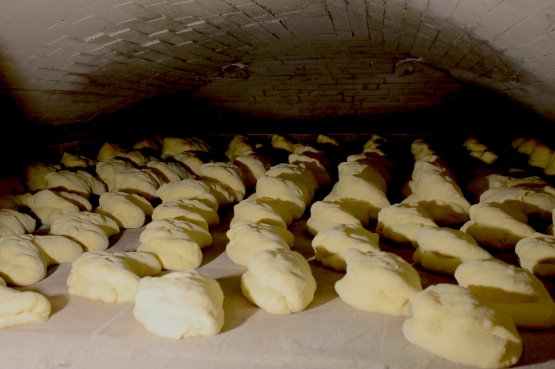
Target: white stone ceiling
69,60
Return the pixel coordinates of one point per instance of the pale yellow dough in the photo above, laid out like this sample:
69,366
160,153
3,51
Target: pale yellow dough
22,263
35,175
129,210
110,277
331,244
247,238
136,181
528,201
176,243
402,222
512,290
180,305
315,166
324,214
192,210
497,225
537,254
295,196
378,282
190,160
262,210
172,146
359,192
109,151
188,189
279,281
299,175
228,174
106,170
91,230
24,259
22,307
433,187
50,205
252,167
364,169
442,249
453,323
13,222
168,171
79,182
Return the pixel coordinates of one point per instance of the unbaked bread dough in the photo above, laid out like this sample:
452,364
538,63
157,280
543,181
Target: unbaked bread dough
378,282
295,196
331,243
129,210
495,180
172,146
22,307
315,166
79,182
537,254
529,201
137,158
365,170
247,238
237,146
136,181
442,249
22,263
180,305
188,188
192,210
479,151
261,210
512,290
433,187
326,140
24,259
35,174
228,174
191,160
299,175
376,159
496,225
226,195
279,281
252,167
281,143
13,222
451,322
176,243
110,277
360,193
49,205
106,170
58,249
146,144
76,161
91,230
324,214
109,151
172,210
168,171
402,222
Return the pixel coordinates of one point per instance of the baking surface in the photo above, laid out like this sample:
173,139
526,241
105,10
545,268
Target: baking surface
82,333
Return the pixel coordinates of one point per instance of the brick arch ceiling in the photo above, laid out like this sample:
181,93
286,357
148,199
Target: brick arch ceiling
68,60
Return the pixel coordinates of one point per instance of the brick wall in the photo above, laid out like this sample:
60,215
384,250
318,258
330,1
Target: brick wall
356,78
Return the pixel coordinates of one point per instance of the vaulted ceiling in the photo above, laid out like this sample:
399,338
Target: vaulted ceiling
63,61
